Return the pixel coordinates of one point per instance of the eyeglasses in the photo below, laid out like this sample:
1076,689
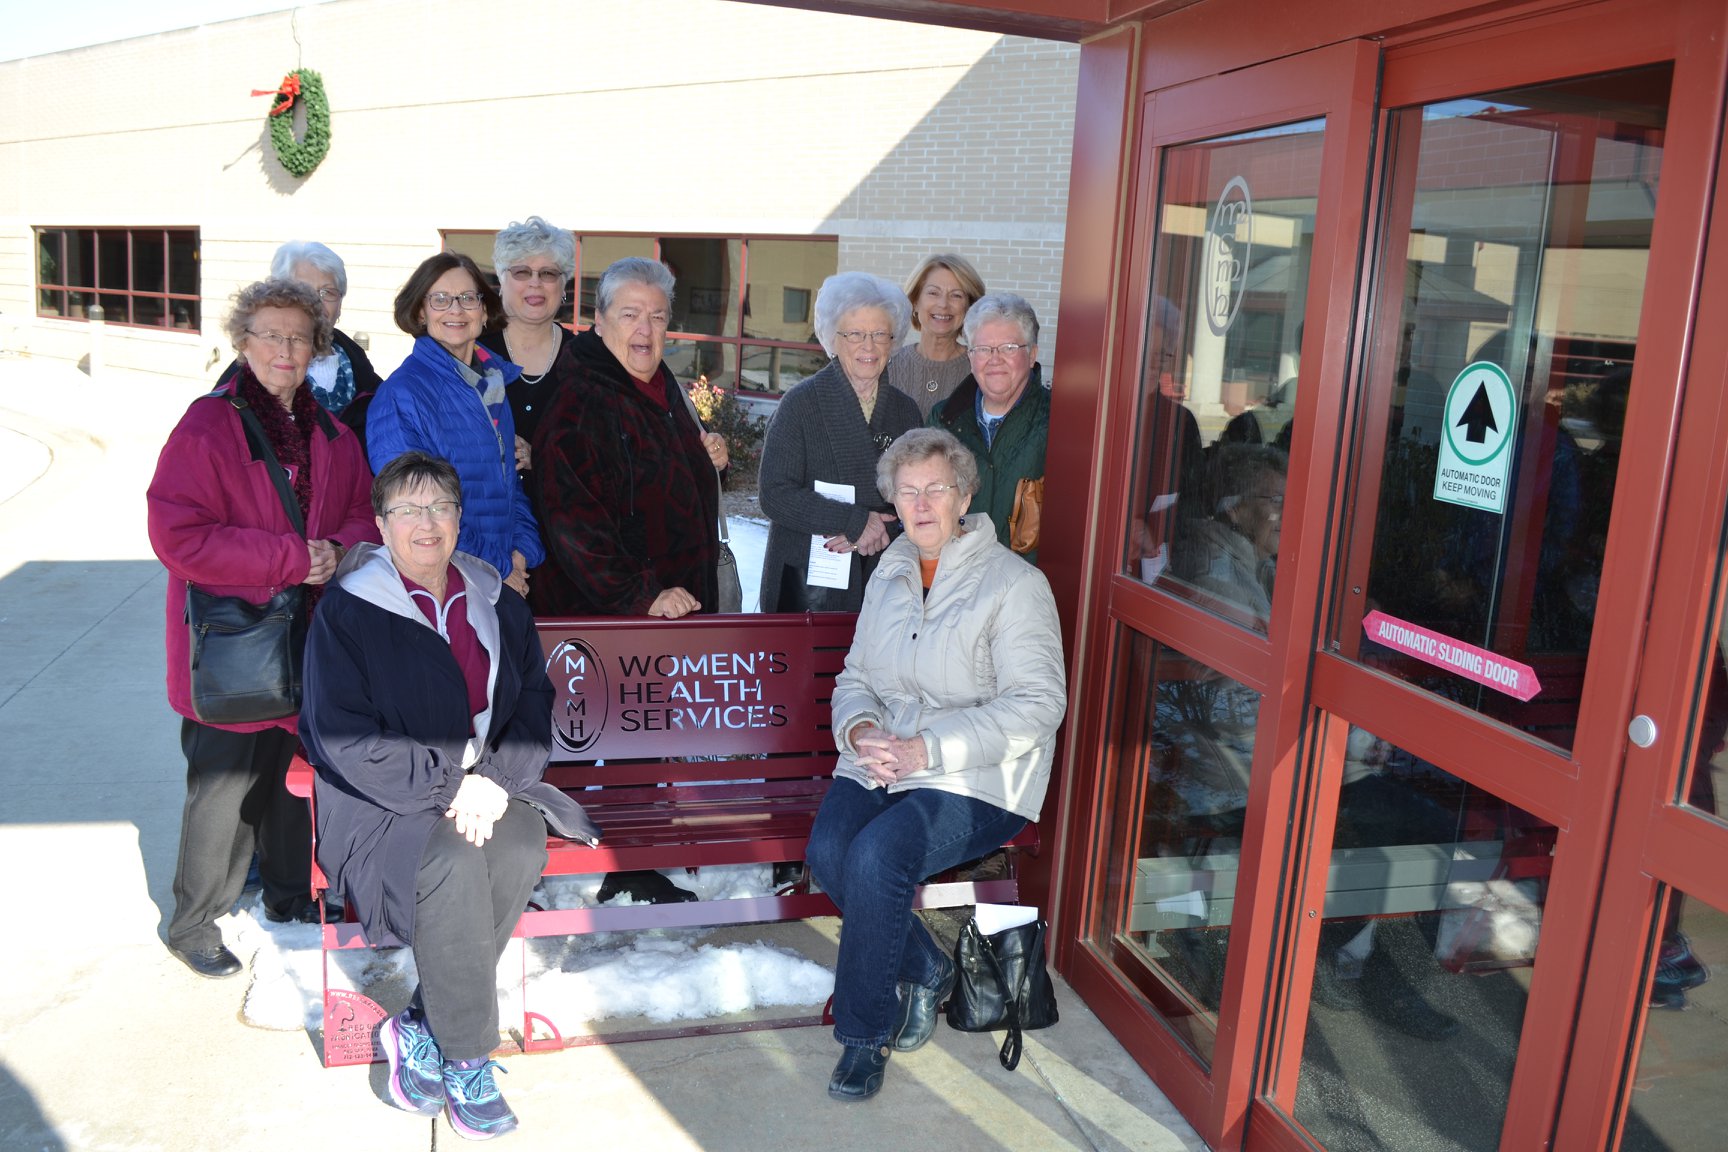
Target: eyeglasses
908,494
985,351
443,510
856,338
278,341
327,294
548,277
444,301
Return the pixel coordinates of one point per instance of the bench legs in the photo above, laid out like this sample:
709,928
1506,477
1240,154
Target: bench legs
352,1019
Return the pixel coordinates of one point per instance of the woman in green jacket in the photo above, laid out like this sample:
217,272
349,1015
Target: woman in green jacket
1002,413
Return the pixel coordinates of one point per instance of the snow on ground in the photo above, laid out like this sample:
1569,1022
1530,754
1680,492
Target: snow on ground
572,980
749,545
662,975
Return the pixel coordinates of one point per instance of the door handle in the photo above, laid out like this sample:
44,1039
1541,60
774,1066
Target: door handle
1642,731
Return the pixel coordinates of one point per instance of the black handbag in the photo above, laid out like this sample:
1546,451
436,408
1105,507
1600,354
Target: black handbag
1002,983
246,657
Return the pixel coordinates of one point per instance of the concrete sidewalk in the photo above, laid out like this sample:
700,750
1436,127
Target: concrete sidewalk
107,1042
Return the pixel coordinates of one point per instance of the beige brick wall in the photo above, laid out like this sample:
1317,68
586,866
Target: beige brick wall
666,116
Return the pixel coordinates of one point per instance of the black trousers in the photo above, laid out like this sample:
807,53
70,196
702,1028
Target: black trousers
466,904
237,801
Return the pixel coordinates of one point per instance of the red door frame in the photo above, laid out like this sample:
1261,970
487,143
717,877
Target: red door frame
1656,841
1337,83
1574,792
1601,38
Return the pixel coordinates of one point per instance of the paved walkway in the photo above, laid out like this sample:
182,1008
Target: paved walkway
106,1042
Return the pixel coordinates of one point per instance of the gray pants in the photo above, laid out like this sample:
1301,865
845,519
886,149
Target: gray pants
237,801
466,904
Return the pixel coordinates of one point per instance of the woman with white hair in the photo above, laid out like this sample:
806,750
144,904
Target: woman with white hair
343,373
534,261
1002,413
626,473
945,717
818,473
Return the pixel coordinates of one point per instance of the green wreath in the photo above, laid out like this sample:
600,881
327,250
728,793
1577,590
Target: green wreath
302,155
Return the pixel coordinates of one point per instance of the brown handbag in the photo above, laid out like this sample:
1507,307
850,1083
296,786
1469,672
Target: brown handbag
1028,514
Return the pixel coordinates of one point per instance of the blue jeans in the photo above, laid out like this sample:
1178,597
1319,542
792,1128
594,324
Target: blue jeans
869,850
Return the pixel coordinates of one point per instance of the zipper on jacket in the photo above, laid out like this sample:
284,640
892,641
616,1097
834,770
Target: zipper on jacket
497,436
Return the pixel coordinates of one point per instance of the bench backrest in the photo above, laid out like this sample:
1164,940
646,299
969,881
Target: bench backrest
643,695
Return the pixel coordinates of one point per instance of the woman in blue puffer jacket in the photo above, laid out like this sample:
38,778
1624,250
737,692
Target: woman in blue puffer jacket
448,400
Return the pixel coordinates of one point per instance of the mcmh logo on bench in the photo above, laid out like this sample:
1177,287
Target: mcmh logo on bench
666,692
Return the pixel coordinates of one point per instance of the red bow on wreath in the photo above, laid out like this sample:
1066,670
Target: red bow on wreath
290,88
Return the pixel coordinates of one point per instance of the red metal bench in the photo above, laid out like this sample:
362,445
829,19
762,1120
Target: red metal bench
750,693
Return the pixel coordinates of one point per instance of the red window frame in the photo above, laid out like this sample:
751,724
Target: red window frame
92,286
736,339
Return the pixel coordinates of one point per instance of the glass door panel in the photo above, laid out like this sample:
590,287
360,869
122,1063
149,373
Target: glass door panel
1248,198
1174,821
1427,945
1518,228
1218,387
1704,781
1678,1092
1679,1097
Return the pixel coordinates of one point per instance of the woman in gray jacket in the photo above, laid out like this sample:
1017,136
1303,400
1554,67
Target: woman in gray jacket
945,716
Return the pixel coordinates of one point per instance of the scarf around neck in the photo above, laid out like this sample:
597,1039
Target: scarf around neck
288,432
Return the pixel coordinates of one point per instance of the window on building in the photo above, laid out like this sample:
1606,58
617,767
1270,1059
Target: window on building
145,277
714,332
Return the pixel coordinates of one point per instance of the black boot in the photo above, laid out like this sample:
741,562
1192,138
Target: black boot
859,1074
644,887
919,1004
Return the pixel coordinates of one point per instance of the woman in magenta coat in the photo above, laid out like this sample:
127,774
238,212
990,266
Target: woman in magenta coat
217,521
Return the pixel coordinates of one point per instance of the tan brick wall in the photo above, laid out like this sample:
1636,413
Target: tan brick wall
667,116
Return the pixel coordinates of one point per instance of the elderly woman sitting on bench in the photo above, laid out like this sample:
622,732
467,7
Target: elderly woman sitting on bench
946,715
427,715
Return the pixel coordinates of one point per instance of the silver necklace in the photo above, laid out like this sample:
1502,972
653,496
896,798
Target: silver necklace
557,342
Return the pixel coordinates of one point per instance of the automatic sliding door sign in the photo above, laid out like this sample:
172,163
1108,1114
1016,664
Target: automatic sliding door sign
1489,669
1476,439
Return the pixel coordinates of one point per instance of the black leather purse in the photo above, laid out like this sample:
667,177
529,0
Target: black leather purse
1003,983
246,657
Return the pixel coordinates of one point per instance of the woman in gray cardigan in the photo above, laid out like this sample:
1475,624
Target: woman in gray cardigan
831,428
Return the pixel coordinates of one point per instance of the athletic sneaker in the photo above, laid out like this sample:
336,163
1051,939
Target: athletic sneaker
416,1066
476,1109
1677,972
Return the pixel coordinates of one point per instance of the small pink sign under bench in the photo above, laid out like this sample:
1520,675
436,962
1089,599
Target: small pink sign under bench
1467,660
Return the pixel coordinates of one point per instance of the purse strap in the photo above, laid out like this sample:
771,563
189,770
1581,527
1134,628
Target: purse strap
725,533
1013,997
261,450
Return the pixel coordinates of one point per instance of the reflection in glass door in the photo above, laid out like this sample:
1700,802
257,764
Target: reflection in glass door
1427,948
1518,232
1230,272
1224,344
1515,229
